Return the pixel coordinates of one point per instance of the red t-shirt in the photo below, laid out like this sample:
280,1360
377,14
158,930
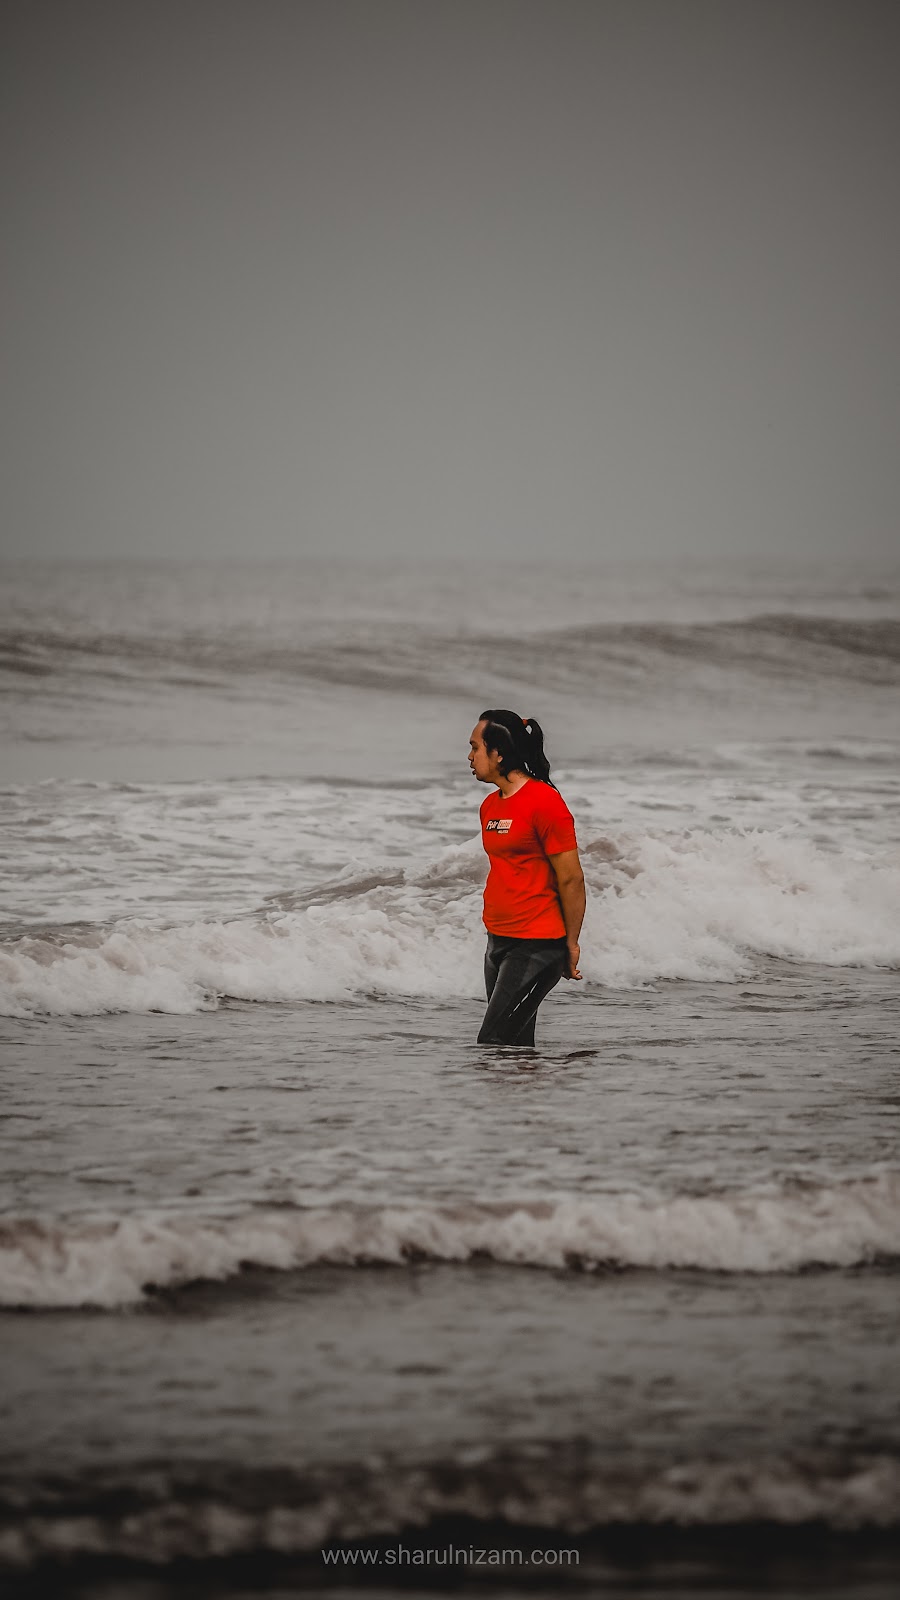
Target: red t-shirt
519,834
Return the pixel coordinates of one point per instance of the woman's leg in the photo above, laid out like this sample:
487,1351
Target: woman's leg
519,974
492,963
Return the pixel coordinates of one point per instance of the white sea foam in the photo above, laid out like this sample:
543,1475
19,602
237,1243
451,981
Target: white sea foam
537,1486
111,1261
698,906
701,905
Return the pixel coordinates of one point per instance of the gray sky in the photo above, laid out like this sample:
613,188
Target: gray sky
562,277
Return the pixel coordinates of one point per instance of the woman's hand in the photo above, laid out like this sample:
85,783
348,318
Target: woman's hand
574,953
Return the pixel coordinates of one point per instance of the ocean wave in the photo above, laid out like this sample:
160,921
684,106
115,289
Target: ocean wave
391,655
197,1514
859,752
698,906
111,1262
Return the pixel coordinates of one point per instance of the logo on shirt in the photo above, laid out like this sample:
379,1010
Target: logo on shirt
498,825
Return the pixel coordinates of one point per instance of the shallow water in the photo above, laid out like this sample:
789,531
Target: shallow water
286,1258
680,1248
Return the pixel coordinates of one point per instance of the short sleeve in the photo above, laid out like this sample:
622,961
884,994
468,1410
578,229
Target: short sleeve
553,823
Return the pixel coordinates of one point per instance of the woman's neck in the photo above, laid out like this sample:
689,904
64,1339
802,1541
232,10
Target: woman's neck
512,782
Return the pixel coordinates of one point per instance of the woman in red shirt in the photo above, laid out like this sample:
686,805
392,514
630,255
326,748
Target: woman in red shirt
534,896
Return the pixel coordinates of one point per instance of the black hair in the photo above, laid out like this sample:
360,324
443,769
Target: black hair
519,743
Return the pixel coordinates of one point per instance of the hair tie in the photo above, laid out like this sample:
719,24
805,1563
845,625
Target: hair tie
525,722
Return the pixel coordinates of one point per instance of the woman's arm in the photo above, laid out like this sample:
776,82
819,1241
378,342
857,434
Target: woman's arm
570,888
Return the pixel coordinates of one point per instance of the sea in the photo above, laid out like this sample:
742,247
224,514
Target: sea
302,1290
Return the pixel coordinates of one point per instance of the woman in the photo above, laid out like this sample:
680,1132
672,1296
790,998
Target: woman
534,896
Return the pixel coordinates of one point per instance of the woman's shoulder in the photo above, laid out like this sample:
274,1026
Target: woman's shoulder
547,800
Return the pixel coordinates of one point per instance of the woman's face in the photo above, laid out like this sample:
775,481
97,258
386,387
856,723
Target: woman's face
483,763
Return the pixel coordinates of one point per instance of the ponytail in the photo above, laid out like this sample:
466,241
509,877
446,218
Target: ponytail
519,743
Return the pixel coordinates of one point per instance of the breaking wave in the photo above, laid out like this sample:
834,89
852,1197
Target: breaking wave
697,906
164,1516
112,1262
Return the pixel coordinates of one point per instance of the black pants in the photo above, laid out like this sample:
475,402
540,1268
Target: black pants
518,974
